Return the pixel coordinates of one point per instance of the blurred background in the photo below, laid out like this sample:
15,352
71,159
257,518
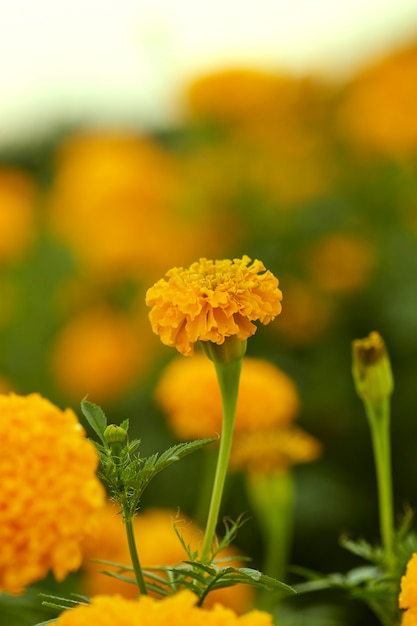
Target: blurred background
138,136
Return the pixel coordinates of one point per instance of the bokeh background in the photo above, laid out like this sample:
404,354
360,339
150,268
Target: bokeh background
138,138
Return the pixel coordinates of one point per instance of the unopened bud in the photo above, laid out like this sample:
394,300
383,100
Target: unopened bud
371,368
114,434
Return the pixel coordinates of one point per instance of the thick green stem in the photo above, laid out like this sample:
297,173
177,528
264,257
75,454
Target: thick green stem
228,375
134,555
379,420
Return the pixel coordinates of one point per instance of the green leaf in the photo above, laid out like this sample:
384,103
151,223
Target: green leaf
125,425
95,417
263,581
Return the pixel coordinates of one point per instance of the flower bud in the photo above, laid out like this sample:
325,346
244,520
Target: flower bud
371,368
114,434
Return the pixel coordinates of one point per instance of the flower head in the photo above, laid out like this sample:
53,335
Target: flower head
175,610
189,394
408,594
212,300
50,493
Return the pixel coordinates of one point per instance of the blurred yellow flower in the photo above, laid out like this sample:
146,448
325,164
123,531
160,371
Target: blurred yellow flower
158,544
175,610
240,94
117,203
341,263
212,300
408,594
189,394
100,352
49,494
276,143
273,450
18,198
379,109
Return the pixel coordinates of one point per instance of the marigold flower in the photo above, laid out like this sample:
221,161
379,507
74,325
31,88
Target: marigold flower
175,610
99,353
50,493
158,544
212,300
189,393
392,128
408,594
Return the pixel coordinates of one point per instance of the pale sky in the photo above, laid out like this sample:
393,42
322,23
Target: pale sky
126,60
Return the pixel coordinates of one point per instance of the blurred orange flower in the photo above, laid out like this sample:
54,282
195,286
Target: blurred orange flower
50,494
379,109
158,544
408,594
100,352
175,610
273,450
18,199
189,394
117,202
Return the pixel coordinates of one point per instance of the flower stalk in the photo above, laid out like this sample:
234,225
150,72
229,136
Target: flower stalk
227,359
374,384
128,521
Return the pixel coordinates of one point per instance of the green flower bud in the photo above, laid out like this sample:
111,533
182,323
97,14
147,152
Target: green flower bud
371,368
114,434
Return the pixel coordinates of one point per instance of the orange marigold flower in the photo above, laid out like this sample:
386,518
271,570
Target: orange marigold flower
175,610
158,545
50,493
99,352
408,593
212,300
273,450
189,393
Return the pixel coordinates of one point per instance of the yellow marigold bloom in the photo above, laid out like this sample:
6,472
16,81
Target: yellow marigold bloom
189,393
212,300
408,593
273,450
175,610
99,352
158,544
49,495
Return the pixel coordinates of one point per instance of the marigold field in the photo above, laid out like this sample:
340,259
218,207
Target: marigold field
316,178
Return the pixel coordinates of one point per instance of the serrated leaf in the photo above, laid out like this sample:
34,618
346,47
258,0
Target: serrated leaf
95,417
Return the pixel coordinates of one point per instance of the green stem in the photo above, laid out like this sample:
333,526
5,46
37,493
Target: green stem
379,420
134,555
228,375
